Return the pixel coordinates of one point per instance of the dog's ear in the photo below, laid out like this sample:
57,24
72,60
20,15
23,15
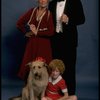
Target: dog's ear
45,65
29,64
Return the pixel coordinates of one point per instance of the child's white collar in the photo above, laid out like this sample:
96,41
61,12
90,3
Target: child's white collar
55,81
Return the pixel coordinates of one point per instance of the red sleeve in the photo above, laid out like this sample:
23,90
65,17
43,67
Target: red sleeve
62,84
22,21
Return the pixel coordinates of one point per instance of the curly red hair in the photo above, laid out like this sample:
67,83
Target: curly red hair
57,63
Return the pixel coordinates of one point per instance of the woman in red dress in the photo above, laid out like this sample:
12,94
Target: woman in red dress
57,88
40,29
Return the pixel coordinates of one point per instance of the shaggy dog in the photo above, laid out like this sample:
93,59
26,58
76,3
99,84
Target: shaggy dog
36,82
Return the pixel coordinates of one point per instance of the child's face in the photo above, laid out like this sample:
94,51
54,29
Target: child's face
55,73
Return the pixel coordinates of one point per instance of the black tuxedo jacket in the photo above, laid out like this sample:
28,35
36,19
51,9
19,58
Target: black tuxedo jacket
74,10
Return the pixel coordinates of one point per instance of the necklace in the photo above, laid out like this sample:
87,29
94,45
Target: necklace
39,14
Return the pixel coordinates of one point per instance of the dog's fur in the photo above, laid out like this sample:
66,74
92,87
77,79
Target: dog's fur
36,82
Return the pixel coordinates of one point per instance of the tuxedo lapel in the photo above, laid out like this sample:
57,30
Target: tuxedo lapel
54,5
66,6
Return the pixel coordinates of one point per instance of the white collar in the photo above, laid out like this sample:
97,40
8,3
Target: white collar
61,1
55,81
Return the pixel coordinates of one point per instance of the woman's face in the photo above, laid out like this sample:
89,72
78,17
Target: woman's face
43,3
55,73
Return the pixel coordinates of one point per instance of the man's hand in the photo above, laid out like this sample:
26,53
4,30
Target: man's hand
64,18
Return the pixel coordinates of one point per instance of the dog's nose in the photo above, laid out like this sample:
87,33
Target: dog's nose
36,74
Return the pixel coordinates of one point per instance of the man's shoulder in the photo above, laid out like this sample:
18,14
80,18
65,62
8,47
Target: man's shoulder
52,1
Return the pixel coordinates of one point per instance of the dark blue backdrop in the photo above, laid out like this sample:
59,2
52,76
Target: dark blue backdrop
13,44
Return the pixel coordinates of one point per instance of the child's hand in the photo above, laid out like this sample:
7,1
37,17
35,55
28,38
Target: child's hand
49,98
44,98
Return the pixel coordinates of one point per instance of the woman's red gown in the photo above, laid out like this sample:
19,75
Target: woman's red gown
37,46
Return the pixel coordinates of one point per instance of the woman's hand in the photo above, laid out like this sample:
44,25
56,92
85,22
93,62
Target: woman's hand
29,34
33,29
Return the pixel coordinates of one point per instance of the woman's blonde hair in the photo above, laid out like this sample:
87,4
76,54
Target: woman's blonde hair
57,63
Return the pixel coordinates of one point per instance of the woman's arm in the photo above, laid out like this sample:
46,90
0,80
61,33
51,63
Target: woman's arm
22,21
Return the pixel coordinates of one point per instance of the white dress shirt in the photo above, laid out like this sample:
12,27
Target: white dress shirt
59,12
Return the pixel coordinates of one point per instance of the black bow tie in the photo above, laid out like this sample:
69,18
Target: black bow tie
59,0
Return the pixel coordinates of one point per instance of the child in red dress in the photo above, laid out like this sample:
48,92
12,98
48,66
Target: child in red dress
57,88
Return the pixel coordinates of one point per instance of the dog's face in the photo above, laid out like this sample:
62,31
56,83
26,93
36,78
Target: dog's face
38,68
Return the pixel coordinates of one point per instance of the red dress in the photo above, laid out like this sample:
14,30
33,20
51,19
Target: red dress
37,46
55,88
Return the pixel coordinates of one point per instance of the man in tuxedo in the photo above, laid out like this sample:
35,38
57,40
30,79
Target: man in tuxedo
67,14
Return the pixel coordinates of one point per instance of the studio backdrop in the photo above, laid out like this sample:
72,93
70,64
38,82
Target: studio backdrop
13,45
